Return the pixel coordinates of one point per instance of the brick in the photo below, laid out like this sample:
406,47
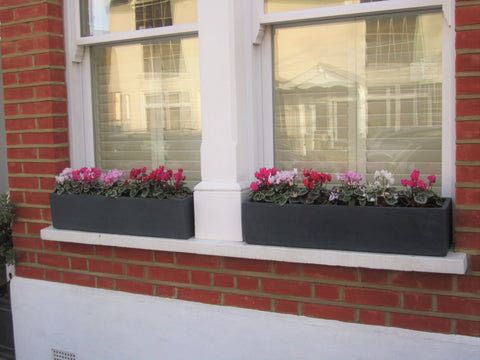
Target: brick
17,62
198,260
108,267
79,263
134,254
37,198
261,266
201,278
417,301
168,274
327,292
422,280
468,152
422,323
246,301
224,280
51,245
105,251
469,328
329,312
38,10
9,79
165,291
53,153
468,40
467,196
7,15
287,287
287,307
48,25
247,283
105,283
164,257
468,86
468,173
28,213
22,153
47,183
372,317
27,243
475,262
40,76
29,272
376,297
19,124
57,122
47,91
470,284
82,249
330,272
467,218
17,197
458,305
50,59
78,279
8,47
16,30
373,276
43,107
59,261
468,107
11,110
135,287
53,275
23,183
203,296
289,269
136,270
19,227
44,168
467,15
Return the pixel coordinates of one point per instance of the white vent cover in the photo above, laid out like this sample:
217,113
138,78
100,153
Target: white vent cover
62,355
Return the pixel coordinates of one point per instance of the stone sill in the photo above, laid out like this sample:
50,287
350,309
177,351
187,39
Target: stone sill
453,263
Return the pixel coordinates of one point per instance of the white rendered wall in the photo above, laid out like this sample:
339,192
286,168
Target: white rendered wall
101,324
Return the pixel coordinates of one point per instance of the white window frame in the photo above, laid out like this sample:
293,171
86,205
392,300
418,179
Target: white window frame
264,39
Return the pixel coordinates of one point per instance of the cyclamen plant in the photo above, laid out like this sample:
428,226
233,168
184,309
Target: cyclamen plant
281,187
160,183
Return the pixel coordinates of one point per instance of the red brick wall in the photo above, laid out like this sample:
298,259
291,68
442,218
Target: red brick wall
33,70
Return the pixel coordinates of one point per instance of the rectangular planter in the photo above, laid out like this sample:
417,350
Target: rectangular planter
172,218
413,231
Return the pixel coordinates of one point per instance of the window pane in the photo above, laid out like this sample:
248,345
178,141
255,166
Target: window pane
273,6
360,95
147,105
111,16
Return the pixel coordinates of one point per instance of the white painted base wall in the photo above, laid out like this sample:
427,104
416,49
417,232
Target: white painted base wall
100,325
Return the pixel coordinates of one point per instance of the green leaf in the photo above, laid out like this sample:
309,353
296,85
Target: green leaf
420,199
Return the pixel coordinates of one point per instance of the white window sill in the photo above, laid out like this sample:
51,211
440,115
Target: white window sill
453,263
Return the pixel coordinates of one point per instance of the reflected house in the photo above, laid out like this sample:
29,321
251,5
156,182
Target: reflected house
382,108
147,95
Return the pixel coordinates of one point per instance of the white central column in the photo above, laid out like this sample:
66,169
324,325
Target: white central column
227,142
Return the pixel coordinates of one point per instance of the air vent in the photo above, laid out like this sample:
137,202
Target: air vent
62,355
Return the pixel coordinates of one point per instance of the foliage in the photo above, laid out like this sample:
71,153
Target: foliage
282,187
7,216
160,183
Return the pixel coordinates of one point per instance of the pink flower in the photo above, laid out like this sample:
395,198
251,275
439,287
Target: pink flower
431,179
415,175
422,185
254,186
404,182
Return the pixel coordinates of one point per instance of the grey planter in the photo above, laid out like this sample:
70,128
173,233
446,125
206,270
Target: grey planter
413,231
172,218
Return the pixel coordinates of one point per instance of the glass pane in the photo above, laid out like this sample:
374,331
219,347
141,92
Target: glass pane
273,6
360,95
147,105
110,16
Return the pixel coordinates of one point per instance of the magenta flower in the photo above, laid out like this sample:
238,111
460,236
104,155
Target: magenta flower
404,182
254,186
431,179
415,175
422,185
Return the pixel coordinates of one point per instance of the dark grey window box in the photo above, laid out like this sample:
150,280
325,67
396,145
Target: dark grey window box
172,218
398,230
